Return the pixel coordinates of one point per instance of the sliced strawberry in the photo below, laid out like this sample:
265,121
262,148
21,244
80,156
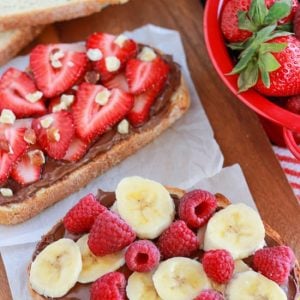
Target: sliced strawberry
118,82
143,75
76,150
52,80
15,86
107,45
56,136
26,171
141,110
23,123
92,119
6,164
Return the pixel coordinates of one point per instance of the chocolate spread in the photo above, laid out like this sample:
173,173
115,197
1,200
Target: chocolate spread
81,291
55,170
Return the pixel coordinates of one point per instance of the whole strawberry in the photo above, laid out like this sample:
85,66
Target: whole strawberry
241,18
110,286
109,234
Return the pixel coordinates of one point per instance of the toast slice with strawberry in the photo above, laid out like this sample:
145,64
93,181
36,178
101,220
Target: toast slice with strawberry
77,112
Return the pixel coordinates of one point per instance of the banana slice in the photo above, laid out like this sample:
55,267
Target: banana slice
140,287
56,269
93,266
253,285
180,278
145,205
236,228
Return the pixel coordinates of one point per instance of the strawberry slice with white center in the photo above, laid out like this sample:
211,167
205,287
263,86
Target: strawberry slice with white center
118,82
91,118
144,75
140,112
20,95
56,68
76,150
27,170
54,133
6,164
110,47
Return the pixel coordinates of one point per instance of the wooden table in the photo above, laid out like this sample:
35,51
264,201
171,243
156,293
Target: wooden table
236,128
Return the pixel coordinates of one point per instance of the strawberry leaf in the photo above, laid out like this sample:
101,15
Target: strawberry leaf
244,61
245,23
265,77
248,77
258,12
280,9
267,62
272,47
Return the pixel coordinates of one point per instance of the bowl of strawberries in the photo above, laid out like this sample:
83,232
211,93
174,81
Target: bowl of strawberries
255,47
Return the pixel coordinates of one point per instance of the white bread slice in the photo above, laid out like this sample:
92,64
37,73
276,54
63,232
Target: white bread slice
12,41
223,202
19,13
14,213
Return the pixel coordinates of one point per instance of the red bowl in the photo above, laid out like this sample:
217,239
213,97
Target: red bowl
285,123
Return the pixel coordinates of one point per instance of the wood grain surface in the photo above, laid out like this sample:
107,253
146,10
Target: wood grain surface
236,128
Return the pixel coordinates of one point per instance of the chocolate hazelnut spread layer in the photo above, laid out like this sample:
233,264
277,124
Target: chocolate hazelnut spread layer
54,170
82,291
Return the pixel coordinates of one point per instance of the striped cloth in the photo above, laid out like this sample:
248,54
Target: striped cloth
291,168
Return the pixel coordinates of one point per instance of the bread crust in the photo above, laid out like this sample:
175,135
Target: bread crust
19,39
14,213
66,11
222,202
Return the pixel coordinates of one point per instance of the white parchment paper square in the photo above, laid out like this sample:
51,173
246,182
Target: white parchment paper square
181,156
230,182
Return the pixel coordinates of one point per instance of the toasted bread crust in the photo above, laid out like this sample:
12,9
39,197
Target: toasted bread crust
222,202
19,212
67,11
20,38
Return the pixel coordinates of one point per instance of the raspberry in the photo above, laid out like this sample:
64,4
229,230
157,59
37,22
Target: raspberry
197,207
209,295
218,265
82,216
177,240
293,104
275,263
109,234
142,256
110,286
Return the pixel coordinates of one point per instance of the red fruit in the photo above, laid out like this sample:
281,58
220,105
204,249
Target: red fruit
109,234
144,75
275,263
218,265
140,112
106,44
110,286
6,164
142,256
297,22
82,216
293,104
209,295
177,240
27,170
76,150
92,119
14,87
54,81
285,81
196,207
55,137
118,82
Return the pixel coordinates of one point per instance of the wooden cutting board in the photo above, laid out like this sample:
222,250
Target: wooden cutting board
236,128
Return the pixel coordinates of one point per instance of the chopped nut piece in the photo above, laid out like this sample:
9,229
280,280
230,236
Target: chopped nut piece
56,135
147,54
103,97
112,63
46,122
6,192
59,107
120,40
94,54
123,127
7,117
75,87
67,99
55,59
34,97
29,136
37,157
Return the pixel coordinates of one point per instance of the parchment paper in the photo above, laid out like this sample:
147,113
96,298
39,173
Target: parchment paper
230,182
181,156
